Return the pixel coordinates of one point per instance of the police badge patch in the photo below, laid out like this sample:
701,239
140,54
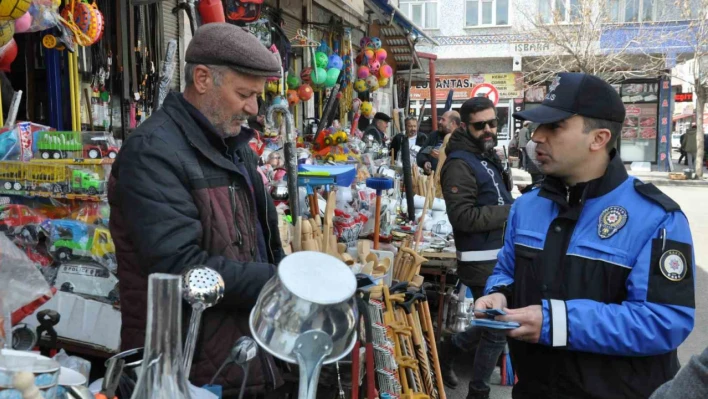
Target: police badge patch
611,221
673,265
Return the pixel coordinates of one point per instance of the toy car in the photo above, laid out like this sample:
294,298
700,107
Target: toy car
71,239
13,215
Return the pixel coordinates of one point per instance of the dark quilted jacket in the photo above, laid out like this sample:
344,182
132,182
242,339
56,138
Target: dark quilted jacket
178,199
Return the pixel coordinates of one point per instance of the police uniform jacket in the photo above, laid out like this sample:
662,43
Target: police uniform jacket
611,263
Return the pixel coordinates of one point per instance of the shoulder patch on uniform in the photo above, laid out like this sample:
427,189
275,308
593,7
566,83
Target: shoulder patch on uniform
653,193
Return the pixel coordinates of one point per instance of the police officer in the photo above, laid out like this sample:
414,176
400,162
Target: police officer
478,203
597,267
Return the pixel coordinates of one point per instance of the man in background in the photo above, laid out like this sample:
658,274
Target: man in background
412,138
378,128
430,153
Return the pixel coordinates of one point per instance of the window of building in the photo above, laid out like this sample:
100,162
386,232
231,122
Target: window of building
632,10
422,13
559,11
486,12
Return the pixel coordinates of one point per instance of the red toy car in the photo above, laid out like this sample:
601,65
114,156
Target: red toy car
13,215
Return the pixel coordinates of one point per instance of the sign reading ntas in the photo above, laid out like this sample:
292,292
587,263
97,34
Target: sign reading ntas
508,85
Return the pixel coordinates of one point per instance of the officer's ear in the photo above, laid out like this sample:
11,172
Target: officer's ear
600,139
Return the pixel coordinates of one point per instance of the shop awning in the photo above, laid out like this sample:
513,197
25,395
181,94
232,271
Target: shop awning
389,10
679,117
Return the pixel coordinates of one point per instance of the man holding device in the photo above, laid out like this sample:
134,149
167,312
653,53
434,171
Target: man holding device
597,267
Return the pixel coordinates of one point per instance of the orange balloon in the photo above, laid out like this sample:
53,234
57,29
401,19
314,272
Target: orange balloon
293,97
305,92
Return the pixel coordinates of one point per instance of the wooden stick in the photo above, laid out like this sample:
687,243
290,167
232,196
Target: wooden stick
441,160
433,348
428,195
297,235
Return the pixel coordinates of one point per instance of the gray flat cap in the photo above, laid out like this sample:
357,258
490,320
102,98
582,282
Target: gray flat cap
232,46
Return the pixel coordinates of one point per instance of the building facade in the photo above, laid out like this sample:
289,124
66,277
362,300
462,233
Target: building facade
487,45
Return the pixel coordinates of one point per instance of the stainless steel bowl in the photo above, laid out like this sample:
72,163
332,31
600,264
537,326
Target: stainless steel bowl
311,291
279,190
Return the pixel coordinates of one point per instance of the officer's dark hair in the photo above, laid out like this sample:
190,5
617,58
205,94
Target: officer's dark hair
615,128
474,105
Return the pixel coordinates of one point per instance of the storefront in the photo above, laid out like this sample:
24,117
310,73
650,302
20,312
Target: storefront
502,88
640,139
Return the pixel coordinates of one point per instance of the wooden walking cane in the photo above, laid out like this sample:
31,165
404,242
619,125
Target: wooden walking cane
428,195
432,344
421,354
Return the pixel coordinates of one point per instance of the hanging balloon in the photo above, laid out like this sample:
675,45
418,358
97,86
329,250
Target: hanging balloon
366,108
381,55
305,76
374,67
383,82
96,27
335,62
386,71
321,59
363,72
10,10
364,42
373,83
8,53
332,76
23,23
369,53
360,86
320,77
82,15
376,42
293,97
278,100
293,81
7,29
272,87
305,92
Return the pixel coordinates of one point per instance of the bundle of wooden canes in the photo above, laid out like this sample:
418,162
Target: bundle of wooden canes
406,357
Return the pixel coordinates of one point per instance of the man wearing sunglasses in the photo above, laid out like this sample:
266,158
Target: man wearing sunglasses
478,203
597,267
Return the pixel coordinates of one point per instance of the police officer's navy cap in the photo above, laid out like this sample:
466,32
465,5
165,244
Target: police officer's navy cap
577,94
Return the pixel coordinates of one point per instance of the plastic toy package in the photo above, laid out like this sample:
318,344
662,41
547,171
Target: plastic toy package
49,144
16,143
73,240
20,281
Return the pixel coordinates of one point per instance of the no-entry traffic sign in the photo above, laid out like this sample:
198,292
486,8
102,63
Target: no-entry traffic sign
486,90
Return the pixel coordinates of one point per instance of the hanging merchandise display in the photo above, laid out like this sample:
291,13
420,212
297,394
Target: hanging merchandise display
372,67
11,10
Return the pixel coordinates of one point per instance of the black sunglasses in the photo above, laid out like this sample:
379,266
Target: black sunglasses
480,125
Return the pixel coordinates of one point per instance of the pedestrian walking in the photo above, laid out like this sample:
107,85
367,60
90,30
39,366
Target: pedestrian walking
691,147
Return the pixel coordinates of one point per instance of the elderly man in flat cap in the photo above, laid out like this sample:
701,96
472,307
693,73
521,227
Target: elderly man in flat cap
378,128
184,191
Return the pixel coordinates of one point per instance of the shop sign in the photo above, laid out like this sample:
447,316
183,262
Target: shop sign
531,47
509,85
664,129
683,97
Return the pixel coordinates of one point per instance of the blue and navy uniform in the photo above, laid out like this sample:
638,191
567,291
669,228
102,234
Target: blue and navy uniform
611,263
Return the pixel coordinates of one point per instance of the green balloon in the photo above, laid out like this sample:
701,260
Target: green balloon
320,77
321,59
293,82
332,76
